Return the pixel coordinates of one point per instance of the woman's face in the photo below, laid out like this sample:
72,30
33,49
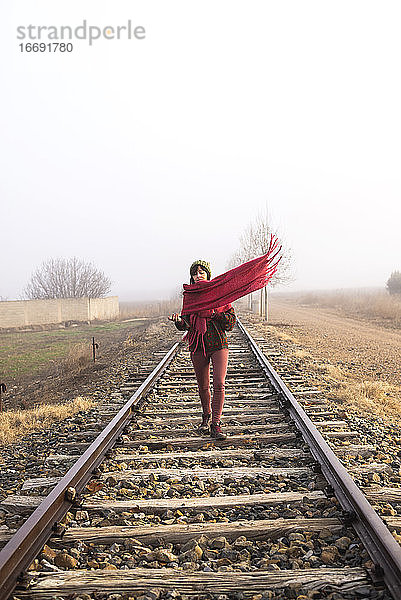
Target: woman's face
199,275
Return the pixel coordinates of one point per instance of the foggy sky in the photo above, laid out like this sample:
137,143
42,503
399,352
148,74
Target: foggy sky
143,155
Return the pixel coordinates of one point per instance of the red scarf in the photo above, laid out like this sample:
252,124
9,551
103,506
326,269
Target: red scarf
202,297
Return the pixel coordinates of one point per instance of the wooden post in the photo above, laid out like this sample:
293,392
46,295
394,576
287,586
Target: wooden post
94,348
266,304
3,389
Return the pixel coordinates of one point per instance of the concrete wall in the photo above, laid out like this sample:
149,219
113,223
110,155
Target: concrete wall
22,313
103,308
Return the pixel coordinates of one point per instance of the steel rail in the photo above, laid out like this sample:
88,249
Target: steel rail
19,552
383,549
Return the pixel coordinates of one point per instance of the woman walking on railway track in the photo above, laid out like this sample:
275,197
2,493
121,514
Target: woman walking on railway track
207,315
208,343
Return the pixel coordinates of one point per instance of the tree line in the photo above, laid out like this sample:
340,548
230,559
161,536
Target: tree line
77,278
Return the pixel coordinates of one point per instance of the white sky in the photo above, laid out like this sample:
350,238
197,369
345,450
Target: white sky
142,156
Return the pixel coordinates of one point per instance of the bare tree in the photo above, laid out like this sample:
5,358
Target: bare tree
67,278
254,242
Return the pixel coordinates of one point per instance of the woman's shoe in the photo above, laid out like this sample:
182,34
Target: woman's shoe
204,427
216,432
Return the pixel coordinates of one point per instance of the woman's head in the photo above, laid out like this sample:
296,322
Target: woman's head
200,271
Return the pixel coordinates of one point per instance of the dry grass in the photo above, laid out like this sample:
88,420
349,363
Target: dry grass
332,371
265,327
370,397
130,310
285,337
78,358
14,424
373,397
301,354
372,305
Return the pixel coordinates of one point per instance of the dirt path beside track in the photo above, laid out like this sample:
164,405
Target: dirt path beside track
358,347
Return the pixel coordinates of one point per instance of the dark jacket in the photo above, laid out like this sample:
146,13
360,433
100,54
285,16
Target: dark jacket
215,337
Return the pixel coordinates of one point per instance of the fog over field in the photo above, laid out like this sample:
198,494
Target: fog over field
142,155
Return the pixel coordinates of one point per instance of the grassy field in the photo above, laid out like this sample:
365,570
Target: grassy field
30,352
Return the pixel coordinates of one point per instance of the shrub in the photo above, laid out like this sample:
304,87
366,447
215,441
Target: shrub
394,283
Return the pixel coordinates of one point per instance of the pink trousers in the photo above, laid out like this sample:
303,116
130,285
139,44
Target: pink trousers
201,365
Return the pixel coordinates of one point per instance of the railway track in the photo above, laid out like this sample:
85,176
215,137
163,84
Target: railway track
153,510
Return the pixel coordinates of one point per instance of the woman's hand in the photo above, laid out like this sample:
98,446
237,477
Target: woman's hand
175,317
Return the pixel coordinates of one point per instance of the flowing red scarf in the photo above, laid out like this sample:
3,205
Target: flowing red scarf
201,298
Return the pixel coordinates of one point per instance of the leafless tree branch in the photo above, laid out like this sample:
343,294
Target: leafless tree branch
254,241
67,278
